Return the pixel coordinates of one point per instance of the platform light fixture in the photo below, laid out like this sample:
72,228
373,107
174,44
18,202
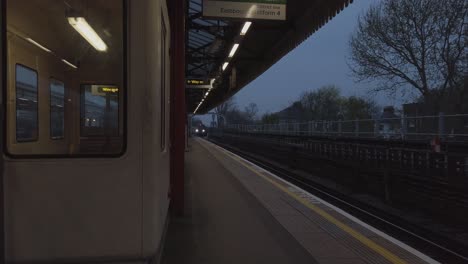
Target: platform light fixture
233,50
69,64
38,45
196,109
225,65
245,28
87,32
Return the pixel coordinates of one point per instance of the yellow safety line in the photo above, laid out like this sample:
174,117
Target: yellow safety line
366,241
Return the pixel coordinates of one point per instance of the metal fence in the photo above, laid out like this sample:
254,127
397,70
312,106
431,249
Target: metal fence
445,127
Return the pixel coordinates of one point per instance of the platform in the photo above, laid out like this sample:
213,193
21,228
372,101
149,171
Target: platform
237,212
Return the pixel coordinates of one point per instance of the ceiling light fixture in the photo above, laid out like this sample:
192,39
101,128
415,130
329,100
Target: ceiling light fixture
233,50
38,45
245,28
87,32
70,64
225,65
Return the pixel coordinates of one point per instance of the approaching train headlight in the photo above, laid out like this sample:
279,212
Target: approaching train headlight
87,32
203,131
196,130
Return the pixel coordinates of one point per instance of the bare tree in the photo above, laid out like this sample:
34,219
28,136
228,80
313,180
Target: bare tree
224,109
417,45
251,111
354,107
321,104
226,106
270,118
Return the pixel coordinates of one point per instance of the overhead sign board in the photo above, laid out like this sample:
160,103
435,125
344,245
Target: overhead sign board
109,89
245,9
103,90
199,83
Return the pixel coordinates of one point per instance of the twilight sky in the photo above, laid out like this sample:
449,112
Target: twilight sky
320,60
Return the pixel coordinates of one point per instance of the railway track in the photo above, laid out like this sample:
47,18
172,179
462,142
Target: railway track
427,241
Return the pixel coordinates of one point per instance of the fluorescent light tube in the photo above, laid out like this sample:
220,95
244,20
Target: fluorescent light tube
245,28
87,32
233,50
69,64
225,65
38,45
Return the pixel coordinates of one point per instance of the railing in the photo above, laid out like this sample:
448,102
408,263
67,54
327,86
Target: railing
402,158
398,173
446,127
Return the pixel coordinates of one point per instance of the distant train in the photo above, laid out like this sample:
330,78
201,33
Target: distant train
86,162
200,130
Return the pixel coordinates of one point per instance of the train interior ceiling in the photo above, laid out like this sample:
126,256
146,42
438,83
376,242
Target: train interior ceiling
65,95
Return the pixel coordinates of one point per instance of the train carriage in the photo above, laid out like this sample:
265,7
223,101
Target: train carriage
86,142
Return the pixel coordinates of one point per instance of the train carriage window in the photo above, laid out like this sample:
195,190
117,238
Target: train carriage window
82,44
26,104
57,109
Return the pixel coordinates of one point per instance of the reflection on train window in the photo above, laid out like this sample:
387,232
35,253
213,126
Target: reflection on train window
57,109
26,104
77,42
100,110
100,119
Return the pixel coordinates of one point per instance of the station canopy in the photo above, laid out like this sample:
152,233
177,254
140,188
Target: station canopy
210,42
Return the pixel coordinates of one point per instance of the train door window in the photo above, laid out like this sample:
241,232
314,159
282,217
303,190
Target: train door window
26,104
100,110
83,42
163,85
100,118
57,109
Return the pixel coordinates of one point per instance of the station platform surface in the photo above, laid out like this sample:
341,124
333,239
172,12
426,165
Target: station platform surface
237,212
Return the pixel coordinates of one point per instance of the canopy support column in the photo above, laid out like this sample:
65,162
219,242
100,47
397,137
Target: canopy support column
177,10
